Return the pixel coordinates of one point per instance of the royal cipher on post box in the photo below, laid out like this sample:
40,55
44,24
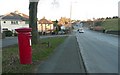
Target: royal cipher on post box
24,42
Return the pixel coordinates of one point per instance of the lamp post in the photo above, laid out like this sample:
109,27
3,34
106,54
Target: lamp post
71,7
34,0
118,10
70,26
70,12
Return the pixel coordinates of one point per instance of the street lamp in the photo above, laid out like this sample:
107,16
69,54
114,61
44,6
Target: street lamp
71,15
34,0
55,3
70,26
119,9
70,12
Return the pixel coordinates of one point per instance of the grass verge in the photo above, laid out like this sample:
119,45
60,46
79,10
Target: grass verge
111,24
40,52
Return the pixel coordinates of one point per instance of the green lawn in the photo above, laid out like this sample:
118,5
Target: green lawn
111,24
40,52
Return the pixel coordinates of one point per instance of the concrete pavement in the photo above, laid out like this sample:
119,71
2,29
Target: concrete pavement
65,59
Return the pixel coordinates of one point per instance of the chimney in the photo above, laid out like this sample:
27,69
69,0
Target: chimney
16,12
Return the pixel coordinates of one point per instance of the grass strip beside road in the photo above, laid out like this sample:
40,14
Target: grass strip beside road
111,24
40,52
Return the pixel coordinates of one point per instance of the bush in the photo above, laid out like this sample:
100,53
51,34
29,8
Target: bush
98,23
15,34
40,33
8,33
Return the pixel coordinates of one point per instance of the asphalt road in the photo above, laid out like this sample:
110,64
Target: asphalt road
8,41
99,51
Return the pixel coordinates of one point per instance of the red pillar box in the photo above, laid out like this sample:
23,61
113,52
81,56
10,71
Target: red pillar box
24,42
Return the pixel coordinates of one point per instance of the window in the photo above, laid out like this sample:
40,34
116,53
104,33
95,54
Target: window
4,22
26,22
5,29
14,22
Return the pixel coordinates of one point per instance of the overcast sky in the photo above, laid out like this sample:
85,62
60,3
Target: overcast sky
81,9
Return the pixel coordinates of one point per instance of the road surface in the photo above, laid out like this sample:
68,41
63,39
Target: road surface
99,51
8,41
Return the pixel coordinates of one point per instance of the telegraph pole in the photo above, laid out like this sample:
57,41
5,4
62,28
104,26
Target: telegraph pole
70,17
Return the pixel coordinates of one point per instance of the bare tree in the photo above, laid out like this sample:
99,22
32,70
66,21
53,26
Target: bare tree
33,21
55,4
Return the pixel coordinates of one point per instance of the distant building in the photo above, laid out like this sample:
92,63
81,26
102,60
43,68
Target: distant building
13,21
45,26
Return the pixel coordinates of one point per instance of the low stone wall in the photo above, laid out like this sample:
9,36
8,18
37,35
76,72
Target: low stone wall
108,32
102,31
113,32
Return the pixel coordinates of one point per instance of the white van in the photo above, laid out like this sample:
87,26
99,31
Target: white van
81,30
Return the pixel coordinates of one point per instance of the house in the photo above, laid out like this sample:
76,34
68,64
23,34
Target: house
45,26
13,21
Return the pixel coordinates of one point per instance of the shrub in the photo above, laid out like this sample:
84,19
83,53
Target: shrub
40,33
98,23
8,33
15,34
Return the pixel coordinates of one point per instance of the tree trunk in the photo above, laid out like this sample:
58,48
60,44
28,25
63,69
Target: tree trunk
33,21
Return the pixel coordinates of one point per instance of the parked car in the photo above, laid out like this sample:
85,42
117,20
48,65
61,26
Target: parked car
61,32
8,33
81,30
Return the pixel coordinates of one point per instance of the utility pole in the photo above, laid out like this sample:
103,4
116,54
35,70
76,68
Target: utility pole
70,17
